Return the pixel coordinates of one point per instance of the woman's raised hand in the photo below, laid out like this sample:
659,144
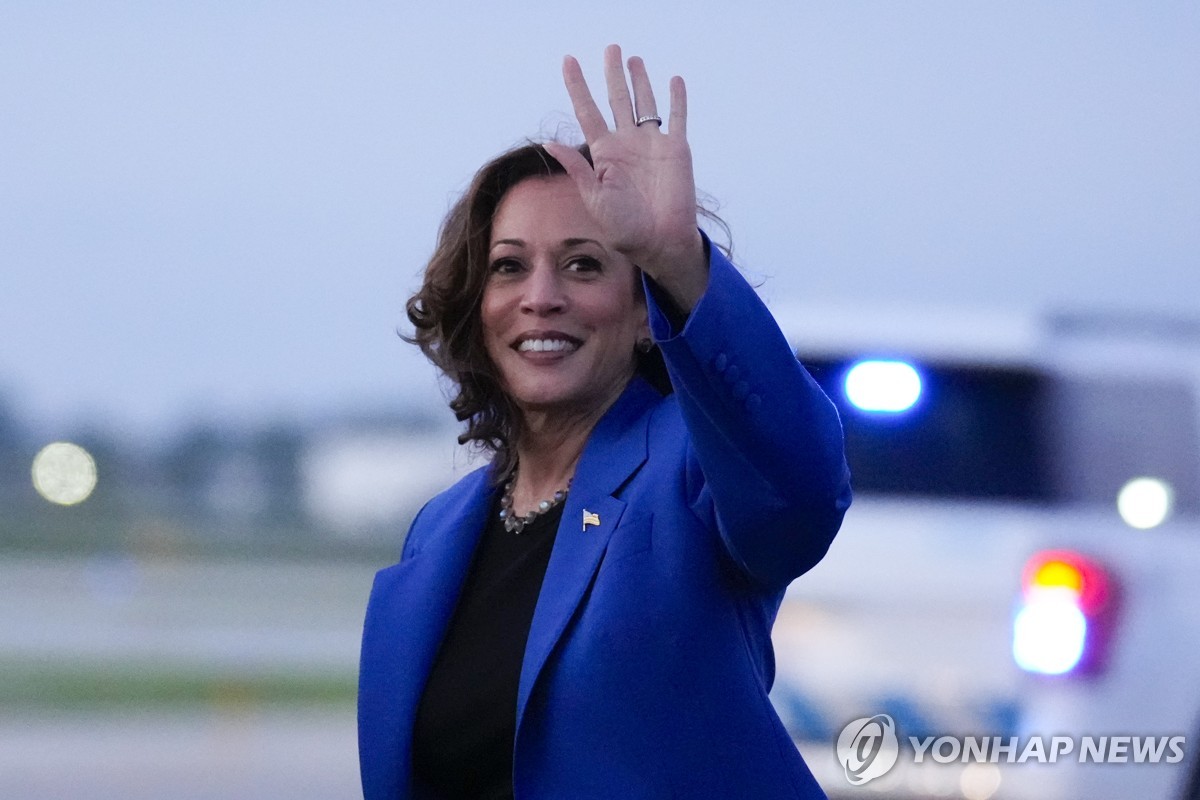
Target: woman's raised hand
641,189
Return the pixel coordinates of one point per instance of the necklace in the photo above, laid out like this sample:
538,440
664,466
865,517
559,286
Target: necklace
515,524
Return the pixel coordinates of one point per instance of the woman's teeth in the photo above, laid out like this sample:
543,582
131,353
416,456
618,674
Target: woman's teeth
547,345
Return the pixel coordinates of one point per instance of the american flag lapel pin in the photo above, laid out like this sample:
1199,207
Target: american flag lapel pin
590,519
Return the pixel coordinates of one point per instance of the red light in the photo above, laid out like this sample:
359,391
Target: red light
1090,588
1064,569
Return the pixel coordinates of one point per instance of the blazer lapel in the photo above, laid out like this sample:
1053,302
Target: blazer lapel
615,450
411,605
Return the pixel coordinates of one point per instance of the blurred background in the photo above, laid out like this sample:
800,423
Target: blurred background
211,216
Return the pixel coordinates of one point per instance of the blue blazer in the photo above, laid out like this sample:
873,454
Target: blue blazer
649,658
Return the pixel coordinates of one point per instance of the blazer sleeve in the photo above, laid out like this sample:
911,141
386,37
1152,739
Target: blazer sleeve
765,442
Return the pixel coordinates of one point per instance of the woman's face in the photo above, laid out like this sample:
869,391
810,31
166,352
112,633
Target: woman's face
562,312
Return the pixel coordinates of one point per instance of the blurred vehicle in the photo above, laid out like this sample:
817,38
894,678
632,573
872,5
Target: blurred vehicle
1022,558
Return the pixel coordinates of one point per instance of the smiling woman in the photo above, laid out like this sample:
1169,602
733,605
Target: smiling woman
505,214
590,614
561,319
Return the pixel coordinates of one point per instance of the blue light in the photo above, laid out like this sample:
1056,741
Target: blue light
887,386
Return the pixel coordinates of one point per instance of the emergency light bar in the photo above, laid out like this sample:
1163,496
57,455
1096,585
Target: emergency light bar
883,386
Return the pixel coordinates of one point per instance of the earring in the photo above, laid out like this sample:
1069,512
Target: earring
644,344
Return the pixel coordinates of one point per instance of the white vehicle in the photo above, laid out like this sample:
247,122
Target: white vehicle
1022,558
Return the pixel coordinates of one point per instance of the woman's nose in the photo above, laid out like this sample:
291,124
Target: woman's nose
543,292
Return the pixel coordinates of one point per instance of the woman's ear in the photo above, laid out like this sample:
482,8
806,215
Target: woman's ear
644,340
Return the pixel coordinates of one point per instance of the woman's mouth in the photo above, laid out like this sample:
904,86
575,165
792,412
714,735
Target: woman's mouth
546,343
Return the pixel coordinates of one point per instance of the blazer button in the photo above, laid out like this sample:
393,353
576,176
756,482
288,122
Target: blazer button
753,402
719,362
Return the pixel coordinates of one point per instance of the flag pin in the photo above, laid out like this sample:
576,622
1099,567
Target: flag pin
590,519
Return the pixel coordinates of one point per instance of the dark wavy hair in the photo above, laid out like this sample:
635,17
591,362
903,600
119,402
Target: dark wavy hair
445,311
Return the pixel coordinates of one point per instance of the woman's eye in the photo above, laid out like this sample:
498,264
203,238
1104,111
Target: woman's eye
505,266
584,264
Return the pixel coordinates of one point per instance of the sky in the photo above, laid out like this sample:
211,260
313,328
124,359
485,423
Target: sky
217,210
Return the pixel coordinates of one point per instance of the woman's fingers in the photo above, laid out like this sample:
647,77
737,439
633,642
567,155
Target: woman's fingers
643,94
618,90
626,109
591,120
678,107
576,166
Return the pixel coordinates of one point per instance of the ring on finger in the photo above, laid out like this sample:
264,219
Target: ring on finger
655,118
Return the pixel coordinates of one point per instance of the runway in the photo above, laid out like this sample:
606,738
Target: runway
140,678
180,755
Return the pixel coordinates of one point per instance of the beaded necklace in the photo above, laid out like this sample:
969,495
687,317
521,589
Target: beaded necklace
515,524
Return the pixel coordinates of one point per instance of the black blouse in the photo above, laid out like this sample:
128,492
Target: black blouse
466,723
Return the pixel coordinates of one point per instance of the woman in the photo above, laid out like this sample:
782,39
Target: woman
590,614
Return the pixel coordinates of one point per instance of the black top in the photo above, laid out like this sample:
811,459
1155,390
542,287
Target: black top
467,721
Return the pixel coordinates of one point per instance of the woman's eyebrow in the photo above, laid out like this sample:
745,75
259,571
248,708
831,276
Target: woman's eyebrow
577,242
515,242
572,242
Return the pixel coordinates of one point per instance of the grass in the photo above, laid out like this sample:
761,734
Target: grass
49,530
103,687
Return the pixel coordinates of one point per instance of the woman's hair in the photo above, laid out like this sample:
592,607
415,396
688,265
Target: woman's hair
445,311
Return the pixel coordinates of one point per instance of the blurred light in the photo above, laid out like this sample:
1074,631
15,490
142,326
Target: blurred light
1057,575
64,473
888,386
1145,502
1066,618
979,781
1049,633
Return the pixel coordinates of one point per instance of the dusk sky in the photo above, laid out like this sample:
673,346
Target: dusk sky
218,209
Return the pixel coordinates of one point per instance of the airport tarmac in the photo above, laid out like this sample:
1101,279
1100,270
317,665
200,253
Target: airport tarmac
180,755
123,622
